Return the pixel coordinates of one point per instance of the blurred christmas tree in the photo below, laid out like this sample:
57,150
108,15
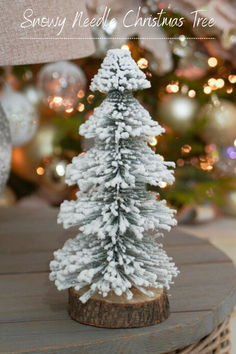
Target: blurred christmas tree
192,95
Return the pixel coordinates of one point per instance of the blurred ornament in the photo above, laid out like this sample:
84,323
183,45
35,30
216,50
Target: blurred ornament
192,67
21,115
27,159
229,38
182,47
103,38
230,203
61,84
178,111
197,214
8,198
220,127
227,160
5,149
53,174
34,95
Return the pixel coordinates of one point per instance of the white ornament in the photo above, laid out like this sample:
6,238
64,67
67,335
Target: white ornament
34,95
220,127
21,115
178,111
119,221
62,84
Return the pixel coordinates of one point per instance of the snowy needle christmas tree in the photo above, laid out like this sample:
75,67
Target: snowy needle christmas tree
115,261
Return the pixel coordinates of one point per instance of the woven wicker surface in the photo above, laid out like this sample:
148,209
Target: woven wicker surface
217,342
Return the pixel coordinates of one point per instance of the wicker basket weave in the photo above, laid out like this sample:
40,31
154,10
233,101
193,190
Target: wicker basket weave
217,342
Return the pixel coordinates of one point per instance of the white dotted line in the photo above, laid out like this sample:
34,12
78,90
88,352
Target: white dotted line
127,38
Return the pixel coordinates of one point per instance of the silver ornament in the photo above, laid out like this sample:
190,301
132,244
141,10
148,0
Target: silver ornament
178,111
229,38
63,84
220,127
227,160
229,206
5,149
34,95
21,115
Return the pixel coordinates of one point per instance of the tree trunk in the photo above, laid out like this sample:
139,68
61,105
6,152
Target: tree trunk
118,312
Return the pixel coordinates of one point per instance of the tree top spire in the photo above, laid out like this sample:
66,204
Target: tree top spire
119,72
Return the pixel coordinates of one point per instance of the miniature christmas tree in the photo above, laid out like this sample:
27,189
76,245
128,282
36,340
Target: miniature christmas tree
118,219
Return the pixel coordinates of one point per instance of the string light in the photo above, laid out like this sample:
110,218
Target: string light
69,110
212,83
57,100
60,170
206,163
142,63
182,38
173,88
125,47
169,88
235,142
232,79
207,90
186,149
162,184
40,171
229,90
81,107
153,142
191,93
80,94
216,83
90,98
212,62
205,166
220,83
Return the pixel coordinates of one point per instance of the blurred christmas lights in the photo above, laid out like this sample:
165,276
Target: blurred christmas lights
232,79
153,141
142,63
125,47
212,62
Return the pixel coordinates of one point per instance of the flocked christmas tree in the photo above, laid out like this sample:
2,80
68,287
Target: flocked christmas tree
118,218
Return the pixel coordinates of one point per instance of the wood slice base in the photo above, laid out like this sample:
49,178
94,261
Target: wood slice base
117,312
